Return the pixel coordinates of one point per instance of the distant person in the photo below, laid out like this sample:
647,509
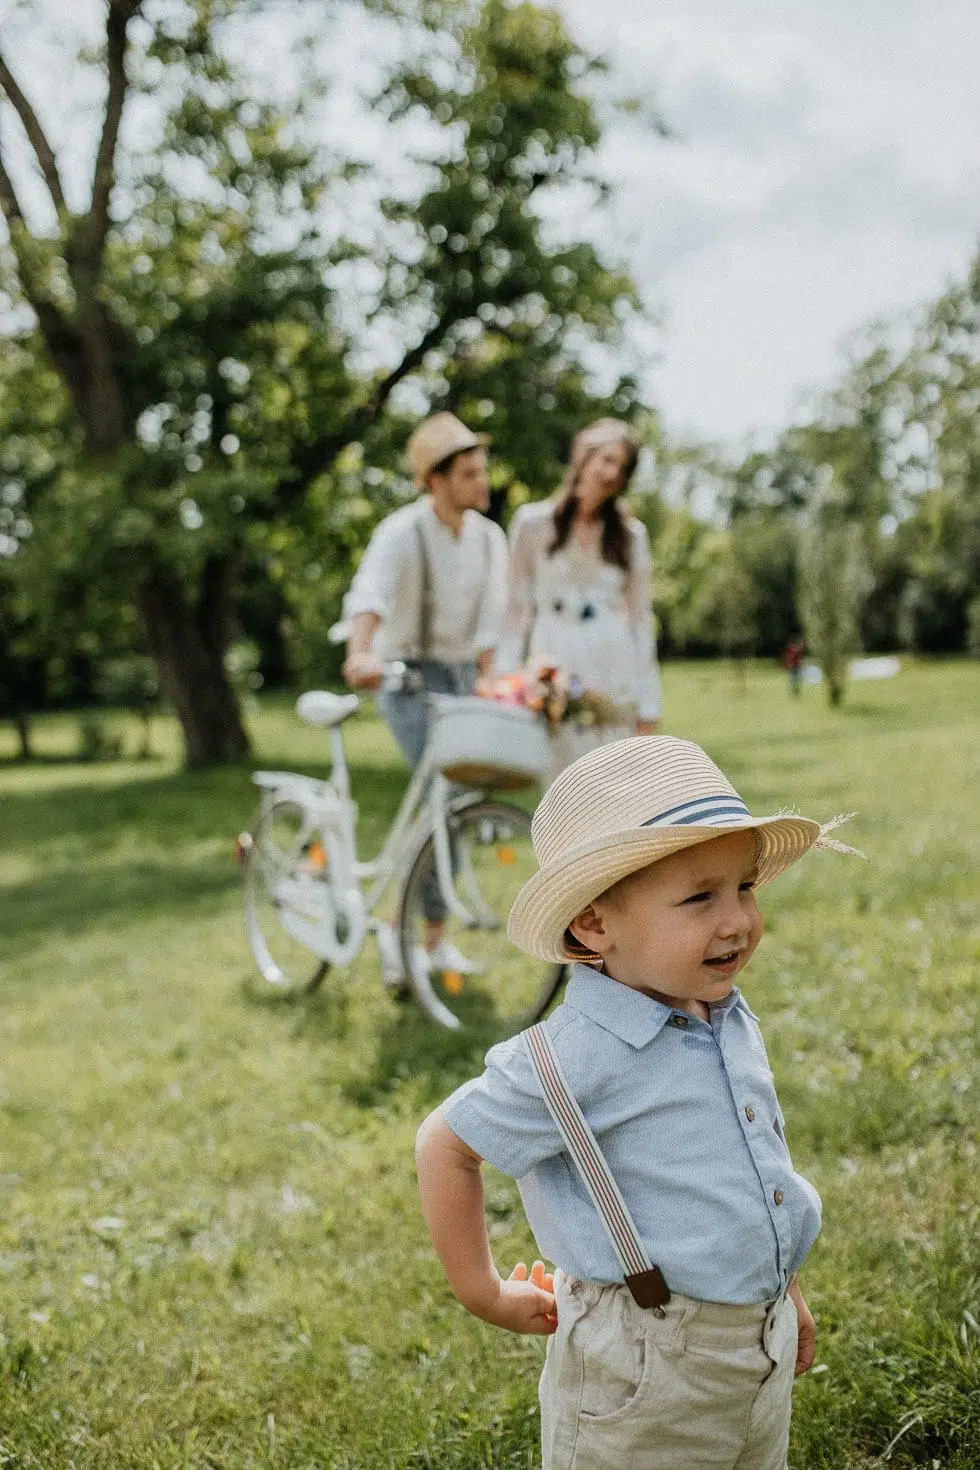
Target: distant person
580,591
792,661
641,1123
430,593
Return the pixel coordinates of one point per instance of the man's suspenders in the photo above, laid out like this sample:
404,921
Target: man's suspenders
424,628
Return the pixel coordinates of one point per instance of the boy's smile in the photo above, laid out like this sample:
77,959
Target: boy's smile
681,929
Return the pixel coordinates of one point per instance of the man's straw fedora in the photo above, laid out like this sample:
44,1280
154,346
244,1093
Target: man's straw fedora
624,806
435,440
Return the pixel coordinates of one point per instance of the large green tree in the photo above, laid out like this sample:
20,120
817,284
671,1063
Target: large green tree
196,316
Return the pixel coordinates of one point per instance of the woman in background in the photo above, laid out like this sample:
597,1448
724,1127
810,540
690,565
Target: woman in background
579,596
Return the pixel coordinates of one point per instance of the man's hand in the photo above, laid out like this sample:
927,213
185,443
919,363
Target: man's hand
523,1305
363,670
806,1339
647,727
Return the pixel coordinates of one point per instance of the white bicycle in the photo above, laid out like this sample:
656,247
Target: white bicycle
310,902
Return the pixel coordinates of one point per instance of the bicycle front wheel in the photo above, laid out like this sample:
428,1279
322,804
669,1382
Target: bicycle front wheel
285,871
474,975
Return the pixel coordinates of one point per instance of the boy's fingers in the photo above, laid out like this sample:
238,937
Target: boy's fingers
806,1346
537,1273
549,1281
519,1272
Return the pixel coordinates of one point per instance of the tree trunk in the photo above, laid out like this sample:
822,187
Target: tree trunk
188,645
22,724
146,743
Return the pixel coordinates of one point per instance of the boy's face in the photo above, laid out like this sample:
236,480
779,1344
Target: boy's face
683,928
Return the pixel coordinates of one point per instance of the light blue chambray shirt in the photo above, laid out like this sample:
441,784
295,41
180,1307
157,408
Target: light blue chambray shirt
686,1114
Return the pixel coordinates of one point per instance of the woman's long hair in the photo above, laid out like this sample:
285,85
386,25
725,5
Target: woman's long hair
615,542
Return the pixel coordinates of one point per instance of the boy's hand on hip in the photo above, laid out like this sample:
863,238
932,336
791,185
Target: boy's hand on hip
524,1305
806,1338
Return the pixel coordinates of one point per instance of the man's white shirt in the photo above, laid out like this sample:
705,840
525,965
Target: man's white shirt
468,584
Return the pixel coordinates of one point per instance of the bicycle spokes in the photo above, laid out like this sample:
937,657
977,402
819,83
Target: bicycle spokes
472,972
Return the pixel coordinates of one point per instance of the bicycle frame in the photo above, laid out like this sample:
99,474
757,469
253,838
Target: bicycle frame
427,801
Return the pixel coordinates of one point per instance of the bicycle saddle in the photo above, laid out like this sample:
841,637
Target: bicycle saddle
320,707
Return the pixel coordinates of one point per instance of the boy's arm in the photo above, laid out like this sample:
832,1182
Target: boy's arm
451,1185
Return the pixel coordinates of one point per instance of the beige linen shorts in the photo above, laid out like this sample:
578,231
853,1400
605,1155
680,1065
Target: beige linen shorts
705,1387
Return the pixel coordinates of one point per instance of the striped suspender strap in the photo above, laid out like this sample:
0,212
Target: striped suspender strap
644,1280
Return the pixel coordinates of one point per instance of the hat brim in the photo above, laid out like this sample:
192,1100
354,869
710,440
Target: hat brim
559,892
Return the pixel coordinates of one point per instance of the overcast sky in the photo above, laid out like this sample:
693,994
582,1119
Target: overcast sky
827,171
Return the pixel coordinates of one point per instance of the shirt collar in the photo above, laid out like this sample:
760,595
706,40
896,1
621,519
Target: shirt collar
629,1014
439,528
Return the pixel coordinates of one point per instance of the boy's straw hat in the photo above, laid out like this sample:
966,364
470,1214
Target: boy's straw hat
435,440
624,806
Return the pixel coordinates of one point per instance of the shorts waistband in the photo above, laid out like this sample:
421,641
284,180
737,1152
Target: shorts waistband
684,1322
688,1308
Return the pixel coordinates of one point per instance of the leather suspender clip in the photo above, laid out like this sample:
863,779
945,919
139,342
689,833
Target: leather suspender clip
648,1288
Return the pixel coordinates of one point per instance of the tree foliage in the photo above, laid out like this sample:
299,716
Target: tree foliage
863,522
195,320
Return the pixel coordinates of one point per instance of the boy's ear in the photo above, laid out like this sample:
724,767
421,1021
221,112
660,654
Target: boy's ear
589,929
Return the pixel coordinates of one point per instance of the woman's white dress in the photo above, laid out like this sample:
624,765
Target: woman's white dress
586,617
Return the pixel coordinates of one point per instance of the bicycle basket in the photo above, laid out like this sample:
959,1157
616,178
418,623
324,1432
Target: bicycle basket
480,742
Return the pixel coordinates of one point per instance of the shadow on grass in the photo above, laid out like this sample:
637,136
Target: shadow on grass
69,901
407,1046
95,815
411,1047
63,758
167,809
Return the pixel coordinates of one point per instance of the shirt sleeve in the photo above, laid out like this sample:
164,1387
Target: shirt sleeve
376,579
502,1115
521,600
490,626
649,698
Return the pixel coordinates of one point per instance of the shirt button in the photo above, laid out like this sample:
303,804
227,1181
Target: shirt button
778,1196
680,1020
750,1114
659,1312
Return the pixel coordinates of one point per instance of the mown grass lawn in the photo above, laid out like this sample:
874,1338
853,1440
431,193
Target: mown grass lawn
211,1253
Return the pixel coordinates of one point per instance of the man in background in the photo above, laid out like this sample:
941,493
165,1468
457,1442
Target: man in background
429,593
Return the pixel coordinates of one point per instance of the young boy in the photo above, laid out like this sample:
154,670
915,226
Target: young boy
649,862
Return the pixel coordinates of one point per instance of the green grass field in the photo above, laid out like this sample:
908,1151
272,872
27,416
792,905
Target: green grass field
210,1244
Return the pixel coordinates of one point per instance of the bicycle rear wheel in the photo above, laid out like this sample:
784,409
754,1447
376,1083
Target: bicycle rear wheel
476,975
285,871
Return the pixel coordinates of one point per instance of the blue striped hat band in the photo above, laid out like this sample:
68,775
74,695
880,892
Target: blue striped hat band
703,811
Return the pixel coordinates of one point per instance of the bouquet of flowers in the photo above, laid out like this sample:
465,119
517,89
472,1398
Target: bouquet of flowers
549,691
